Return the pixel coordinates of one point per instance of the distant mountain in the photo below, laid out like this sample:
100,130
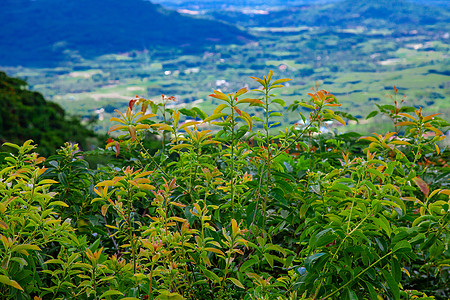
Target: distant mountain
347,13
221,4
41,31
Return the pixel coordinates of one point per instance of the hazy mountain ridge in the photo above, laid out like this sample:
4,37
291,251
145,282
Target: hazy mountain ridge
347,13
40,31
239,4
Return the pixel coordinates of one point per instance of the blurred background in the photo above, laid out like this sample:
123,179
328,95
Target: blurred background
90,57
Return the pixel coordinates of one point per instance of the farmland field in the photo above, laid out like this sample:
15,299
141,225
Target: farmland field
358,65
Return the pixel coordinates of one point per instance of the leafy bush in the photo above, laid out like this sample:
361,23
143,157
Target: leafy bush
225,211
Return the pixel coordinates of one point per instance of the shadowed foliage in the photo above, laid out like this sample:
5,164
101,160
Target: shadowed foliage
26,115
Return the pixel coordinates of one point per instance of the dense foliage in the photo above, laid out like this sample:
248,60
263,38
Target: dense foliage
25,114
224,211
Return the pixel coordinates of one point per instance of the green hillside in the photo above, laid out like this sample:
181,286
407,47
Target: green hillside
26,115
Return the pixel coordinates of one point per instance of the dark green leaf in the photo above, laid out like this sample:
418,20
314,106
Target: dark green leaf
393,285
372,114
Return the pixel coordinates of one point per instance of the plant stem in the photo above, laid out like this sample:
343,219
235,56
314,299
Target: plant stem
359,275
268,158
233,124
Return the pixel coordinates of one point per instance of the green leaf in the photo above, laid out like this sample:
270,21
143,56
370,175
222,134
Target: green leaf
58,203
282,80
63,179
11,145
402,245
110,293
341,187
187,124
214,117
250,211
306,105
219,108
373,294
237,282
54,261
277,248
382,223
372,114
250,101
181,146
376,173
246,117
20,261
240,92
303,209
324,237
393,285
48,181
199,112
396,269
188,112
247,264
339,119
275,114
210,275
20,248
4,279
269,259
279,101
311,262
351,294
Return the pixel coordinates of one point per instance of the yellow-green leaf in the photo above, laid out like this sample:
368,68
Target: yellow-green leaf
278,81
219,95
116,127
250,100
7,281
237,282
218,251
240,92
339,119
47,181
58,203
214,117
397,142
190,123
181,146
234,227
219,108
110,293
145,117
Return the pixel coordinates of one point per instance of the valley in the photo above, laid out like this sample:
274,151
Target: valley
358,64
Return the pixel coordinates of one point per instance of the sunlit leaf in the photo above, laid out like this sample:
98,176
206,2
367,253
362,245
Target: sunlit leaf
5,280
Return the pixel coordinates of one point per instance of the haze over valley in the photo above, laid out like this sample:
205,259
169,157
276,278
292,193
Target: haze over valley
91,57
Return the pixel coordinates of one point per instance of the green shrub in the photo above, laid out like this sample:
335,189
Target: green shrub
225,211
